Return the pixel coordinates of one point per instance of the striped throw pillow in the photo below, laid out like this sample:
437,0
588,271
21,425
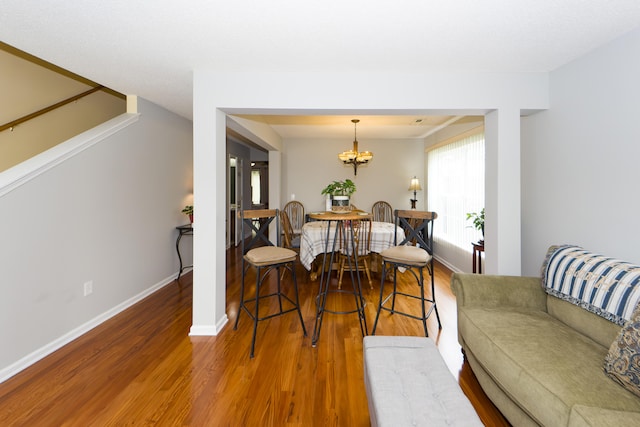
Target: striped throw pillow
602,285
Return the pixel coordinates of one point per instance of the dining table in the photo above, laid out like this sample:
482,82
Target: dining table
319,236
314,235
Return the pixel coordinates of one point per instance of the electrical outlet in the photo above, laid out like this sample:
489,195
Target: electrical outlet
88,288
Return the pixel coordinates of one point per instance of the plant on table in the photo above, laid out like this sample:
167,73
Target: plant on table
478,221
188,210
340,192
340,188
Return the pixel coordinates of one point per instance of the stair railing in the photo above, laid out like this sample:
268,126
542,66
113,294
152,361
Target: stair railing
45,110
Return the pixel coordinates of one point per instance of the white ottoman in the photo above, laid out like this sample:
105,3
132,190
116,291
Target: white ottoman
408,384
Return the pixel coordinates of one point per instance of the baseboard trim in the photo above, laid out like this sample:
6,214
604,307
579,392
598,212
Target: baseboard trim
208,330
450,266
65,339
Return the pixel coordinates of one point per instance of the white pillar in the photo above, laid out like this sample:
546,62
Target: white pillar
209,167
502,192
275,186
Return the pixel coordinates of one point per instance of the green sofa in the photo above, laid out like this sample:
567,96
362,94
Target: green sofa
539,358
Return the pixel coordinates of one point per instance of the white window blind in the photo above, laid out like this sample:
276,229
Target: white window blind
455,182
255,187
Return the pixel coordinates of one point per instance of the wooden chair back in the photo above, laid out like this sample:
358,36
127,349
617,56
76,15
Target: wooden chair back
361,232
295,212
382,211
287,231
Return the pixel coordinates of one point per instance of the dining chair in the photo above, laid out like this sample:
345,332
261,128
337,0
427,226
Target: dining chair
289,241
382,211
295,212
361,230
415,254
264,256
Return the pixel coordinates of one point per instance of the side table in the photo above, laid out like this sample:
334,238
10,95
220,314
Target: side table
183,230
478,249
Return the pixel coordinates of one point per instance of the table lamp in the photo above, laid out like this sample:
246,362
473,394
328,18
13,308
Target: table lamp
414,186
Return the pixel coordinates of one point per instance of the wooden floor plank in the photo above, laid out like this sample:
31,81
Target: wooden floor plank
142,368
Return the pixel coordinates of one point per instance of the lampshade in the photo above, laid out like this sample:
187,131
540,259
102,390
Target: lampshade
364,156
347,156
415,184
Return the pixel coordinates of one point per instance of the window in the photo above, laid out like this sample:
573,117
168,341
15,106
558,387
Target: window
255,186
455,183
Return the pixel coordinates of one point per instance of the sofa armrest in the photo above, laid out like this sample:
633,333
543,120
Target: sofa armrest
486,291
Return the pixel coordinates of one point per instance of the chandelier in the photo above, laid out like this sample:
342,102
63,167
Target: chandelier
354,157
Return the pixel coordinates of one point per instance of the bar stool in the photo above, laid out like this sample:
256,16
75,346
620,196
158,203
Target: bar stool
415,252
265,259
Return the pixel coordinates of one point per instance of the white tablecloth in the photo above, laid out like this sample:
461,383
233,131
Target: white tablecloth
314,235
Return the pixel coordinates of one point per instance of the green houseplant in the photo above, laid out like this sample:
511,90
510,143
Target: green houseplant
478,221
188,210
340,192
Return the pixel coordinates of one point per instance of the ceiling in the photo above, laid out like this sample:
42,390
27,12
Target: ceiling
150,48
369,127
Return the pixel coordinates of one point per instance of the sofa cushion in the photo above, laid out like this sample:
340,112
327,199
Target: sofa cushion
542,364
605,286
595,327
590,416
622,363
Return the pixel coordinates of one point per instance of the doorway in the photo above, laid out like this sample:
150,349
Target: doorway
234,199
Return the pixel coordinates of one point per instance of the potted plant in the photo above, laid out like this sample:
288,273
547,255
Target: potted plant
478,222
188,210
340,192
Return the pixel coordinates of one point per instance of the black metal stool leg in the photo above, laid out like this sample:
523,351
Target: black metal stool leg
382,280
433,297
295,288
279,288
240,307
255,317
422,303
395,288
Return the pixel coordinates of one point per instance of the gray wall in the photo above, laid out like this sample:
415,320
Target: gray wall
309,165
106,215
580,158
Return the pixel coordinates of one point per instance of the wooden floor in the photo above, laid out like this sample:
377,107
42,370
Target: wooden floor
142,368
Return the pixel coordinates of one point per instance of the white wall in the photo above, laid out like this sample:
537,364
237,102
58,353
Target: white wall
580,158
106,215
220,93
309,165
